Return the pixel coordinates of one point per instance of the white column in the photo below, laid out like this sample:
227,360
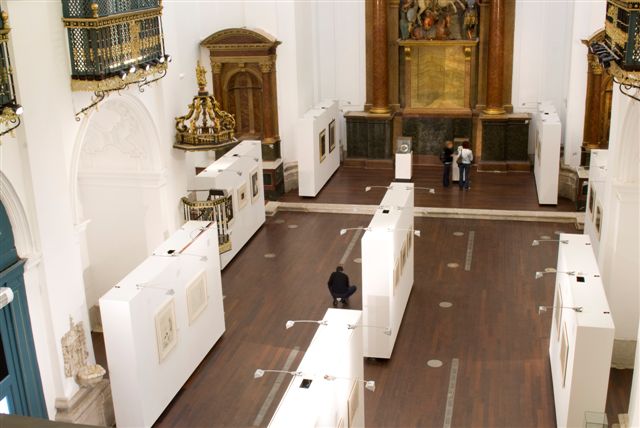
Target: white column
619,252
588,17
48,131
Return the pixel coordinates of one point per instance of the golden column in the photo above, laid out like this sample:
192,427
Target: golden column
380,101
268,130
593,103
495,60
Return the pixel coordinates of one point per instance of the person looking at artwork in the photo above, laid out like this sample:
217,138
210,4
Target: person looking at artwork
339,286
465,157
446,157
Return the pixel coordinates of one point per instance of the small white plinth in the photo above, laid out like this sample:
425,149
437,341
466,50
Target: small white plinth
403,166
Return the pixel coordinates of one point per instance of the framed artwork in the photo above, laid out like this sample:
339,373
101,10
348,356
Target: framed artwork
592,199
332,135
166,329
598,220
564,354
353,402
228,209
255,185
242,196
322,144
197,298
396,276
341,423
557,310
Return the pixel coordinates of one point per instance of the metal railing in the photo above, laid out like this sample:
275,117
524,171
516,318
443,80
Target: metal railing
218,207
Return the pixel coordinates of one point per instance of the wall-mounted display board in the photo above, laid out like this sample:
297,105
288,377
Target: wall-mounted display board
160,321
317,136
582,331
596,197
387,269
312,400
239,172
547,130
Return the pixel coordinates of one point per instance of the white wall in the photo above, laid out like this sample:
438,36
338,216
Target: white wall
634,401
541,55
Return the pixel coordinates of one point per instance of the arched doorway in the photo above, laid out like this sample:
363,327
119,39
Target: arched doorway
120,194
20,384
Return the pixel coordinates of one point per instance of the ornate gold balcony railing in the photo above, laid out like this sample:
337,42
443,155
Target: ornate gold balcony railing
217,207
10,110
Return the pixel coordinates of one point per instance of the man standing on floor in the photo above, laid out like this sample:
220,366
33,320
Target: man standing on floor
446,157
464,162
339,286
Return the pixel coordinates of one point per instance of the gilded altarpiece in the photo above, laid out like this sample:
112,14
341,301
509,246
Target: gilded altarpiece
438,76
243,64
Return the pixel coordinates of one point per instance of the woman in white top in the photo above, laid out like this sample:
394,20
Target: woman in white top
464,163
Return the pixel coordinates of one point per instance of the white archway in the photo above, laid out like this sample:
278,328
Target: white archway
118,192
25,242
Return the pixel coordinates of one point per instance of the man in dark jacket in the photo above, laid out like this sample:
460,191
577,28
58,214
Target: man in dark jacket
446,157
339,286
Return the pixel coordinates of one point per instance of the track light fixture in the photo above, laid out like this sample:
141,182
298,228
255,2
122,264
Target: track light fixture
291,323
174,253
387,330
122,74
542,309
537,242
429,189
540,274
168,291
369,384
260,372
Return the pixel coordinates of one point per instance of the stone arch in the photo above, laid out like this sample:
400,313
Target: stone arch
123,130
24,239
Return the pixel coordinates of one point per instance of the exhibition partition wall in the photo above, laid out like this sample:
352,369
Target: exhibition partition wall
387,269
160,322
596,197
239,172
328,390
547,130
317,137
582,331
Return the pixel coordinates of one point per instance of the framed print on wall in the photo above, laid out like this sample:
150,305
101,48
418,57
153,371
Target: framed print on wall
255,185
242,196
166,329
598,220
353,402
564,354
322,144
332,135
197,298
592,198
557,312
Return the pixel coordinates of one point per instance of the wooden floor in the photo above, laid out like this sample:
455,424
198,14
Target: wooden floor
508,191
493,328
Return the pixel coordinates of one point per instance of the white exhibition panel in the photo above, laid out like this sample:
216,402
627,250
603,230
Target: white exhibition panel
143,383
581,343
596,197
248,217
404,166
387,275
547,129
314,170
335,350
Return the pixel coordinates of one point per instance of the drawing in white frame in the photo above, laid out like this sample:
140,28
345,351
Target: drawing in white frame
255,185
564,354
166,329
242,196
197,298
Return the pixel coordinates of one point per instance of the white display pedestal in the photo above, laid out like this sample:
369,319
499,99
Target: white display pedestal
404,162
248,214
335,350
387,269
547,128
147,371
581,343
455,169
318,144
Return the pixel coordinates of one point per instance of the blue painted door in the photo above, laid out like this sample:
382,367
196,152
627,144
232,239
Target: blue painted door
20,384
